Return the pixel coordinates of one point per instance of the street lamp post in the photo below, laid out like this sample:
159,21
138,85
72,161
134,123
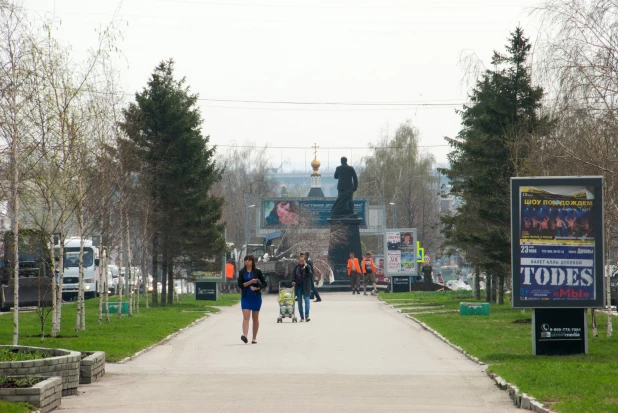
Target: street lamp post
394,213
247,224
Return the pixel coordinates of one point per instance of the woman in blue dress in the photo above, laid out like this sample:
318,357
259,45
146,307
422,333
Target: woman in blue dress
251,282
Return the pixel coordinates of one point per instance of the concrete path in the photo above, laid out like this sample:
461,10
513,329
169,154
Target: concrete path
356,355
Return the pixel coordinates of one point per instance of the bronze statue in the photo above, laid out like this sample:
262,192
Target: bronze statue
346,186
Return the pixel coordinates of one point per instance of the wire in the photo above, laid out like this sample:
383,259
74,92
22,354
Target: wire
291,102
324,147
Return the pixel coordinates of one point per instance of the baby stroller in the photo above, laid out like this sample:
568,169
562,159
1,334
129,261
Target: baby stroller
287,304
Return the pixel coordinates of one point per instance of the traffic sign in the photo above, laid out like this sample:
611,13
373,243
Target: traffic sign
427,258
421,255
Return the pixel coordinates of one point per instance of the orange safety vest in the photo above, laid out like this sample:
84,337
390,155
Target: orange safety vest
353,265
229,270
364,266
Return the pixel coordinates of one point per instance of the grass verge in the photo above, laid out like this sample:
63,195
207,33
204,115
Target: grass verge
121,337
6,407
568,384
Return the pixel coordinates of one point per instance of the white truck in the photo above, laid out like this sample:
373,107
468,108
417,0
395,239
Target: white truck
70,283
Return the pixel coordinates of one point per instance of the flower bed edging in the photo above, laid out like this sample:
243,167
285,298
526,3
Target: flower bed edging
92,367
45,395
63,363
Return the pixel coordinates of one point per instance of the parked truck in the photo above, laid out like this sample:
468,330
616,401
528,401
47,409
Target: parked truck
90,264
35,269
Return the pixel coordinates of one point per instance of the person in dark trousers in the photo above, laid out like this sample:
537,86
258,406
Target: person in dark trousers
302,287
251,282
354,272
427,271
314,289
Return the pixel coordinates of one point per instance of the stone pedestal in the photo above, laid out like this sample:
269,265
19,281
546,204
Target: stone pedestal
344,238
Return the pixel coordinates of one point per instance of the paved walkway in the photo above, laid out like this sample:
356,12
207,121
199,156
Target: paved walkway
356,355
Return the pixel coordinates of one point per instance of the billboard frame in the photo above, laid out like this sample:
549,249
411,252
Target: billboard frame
597,221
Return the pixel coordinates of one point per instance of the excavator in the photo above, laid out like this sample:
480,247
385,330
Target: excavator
34,269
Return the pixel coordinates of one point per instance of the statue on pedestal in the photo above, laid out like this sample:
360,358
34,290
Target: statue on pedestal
346,186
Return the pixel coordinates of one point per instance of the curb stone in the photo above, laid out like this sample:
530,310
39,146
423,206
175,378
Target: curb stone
521,400
165,340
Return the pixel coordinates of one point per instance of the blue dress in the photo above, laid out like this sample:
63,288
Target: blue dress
251,300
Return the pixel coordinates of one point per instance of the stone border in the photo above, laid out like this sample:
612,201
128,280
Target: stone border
45,395
520,400
64,363
165,340
92,367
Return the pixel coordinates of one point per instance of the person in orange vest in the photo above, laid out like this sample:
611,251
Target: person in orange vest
354,272
229,277
369,273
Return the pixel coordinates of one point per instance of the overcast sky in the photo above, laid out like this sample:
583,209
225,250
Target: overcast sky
366,52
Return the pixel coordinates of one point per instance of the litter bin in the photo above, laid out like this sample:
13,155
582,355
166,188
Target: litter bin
113,308
473,309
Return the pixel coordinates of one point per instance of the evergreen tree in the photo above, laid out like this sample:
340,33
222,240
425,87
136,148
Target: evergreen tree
165,126
500,127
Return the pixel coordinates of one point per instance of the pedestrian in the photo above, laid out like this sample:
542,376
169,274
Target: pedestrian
302,287
440,279
369,273
251,282
314,289
354,272
427,271
229,277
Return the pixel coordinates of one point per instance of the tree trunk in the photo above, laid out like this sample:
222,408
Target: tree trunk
120,257
52,260
130,291
164,276
488,288
81,310
477,283
15,230
101,282
61,277
500,297
170,281
105,268
155,268
595,332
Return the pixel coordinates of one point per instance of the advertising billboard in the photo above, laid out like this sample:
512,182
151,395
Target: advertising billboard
280,212
400,252
557,242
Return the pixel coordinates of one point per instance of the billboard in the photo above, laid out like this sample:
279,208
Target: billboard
401,252
281,212
557,242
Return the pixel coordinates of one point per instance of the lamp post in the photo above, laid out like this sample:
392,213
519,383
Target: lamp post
247,224
393,213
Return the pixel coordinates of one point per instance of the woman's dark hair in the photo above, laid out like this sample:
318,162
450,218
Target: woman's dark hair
251,258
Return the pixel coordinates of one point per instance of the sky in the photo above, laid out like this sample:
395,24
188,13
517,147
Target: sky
348,71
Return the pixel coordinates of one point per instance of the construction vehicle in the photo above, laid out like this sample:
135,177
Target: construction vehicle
34,269
275,268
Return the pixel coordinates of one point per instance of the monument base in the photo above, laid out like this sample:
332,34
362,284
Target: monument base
344,238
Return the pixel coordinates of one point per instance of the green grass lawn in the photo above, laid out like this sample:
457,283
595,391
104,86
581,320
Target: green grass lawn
121,337
6,407
583,383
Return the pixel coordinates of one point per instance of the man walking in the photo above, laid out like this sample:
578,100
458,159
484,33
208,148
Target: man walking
369,273
314,289
302,287
354,272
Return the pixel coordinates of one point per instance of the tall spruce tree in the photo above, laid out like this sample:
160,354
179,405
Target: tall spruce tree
501,126
165,126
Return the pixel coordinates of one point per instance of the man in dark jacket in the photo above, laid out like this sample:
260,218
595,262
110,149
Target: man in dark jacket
301,277
346,186
314,289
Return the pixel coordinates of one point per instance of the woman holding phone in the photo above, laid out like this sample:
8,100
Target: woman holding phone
251,281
